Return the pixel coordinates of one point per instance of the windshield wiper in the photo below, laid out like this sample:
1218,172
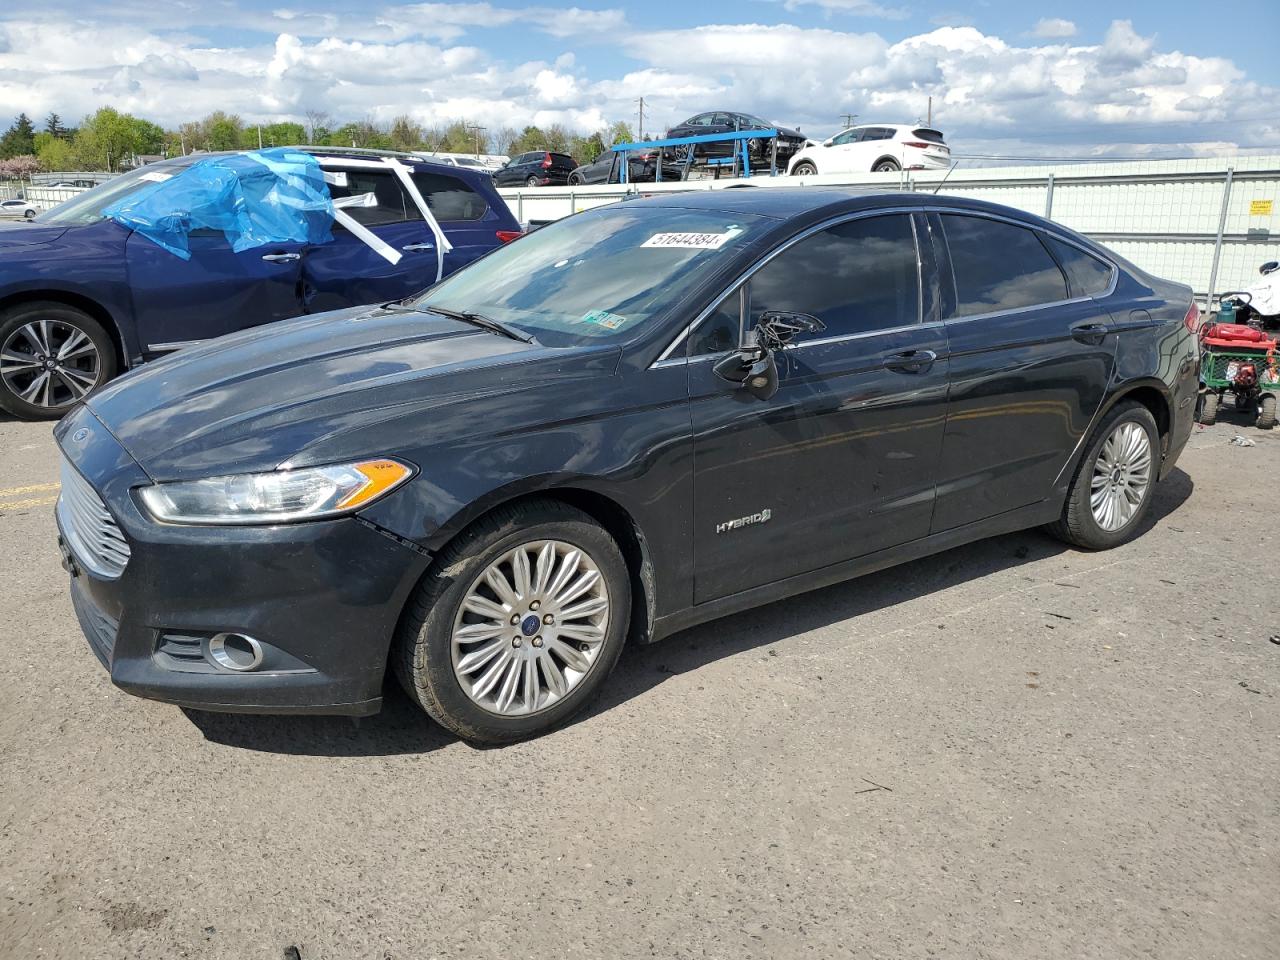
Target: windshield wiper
480,320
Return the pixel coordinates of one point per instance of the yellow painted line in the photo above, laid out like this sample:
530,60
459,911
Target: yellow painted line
30,488
23,504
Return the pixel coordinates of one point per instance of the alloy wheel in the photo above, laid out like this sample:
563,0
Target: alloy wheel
49,363
531,628
1121,476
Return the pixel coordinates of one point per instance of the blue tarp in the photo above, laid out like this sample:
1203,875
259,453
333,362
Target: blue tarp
255,199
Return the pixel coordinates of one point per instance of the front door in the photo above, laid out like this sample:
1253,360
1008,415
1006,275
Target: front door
215,291
1030,365
841,461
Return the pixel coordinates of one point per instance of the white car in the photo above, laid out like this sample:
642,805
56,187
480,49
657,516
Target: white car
877,147
19,208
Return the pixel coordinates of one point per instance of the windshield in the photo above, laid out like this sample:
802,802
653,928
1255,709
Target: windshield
599,275
88,206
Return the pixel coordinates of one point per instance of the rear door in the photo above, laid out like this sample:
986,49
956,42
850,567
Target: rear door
841,462
216,291
348,271
1030,362
464,214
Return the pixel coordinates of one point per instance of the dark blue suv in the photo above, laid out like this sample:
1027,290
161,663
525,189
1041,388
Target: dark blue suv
83,297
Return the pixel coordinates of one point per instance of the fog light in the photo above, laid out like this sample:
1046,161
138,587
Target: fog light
235,651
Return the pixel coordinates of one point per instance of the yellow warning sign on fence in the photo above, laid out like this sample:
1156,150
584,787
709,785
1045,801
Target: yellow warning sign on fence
1260,208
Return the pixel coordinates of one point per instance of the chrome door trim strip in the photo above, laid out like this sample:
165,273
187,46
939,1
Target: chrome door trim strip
175,345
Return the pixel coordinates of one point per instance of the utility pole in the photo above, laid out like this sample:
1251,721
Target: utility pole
259,136
477,130
931,111
849,118
640,129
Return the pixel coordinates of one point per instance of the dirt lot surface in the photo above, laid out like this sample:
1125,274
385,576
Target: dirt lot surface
1011,750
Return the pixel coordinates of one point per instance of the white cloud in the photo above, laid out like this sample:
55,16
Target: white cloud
1054,28
860,8
433,62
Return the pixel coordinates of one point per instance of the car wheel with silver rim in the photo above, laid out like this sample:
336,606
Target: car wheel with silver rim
517,624
1112,488
51,357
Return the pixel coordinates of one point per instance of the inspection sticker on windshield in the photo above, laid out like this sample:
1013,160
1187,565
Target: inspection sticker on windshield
603,318
691,241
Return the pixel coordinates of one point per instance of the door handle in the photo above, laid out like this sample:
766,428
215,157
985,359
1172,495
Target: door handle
418,246
910,361
1089,332
281,257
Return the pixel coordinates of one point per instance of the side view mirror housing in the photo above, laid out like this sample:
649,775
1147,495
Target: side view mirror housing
1271,266
755,367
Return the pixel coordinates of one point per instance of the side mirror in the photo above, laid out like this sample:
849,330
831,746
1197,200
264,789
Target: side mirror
829,141
755,367
1269,267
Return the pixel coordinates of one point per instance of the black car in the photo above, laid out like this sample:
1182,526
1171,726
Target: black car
726,121
539,168
636,419
641,168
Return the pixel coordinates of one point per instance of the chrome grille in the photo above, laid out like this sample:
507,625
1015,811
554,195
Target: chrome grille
90,531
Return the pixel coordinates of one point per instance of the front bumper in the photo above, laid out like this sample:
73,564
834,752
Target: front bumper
323,599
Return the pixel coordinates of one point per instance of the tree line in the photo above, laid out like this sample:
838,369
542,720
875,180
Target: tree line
111,140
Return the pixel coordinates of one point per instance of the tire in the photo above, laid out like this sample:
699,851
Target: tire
533,182
426,658
1209,409
575,180
29,214
1080,524
90,362
887,165
1266,412
805,168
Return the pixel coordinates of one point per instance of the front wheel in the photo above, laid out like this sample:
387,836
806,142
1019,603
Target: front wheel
30,214
1266,412
51,357
1114,483
575,180
518,623
804,168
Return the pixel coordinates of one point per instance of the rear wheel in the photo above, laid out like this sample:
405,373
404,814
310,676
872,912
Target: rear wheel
1266,411
517,625
1209,404
805,168
51,357
887,165
532,182
1114,483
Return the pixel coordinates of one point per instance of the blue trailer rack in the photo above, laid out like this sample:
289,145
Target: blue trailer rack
739,139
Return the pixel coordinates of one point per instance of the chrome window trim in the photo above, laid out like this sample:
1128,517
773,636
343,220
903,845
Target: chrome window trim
175,345
666,359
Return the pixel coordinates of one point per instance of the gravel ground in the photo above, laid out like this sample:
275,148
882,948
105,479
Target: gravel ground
1010,750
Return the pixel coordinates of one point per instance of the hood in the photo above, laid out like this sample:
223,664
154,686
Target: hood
21,233
255,399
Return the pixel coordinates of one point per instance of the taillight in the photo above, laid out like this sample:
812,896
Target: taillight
916,143
546,161
1192,320
506,236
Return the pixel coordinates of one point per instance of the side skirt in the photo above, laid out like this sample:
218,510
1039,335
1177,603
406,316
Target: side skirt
1023,518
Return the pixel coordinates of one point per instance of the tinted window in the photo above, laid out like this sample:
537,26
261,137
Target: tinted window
384,199
720,332
449,198
878,133
998,266
849,136
1087,274
924,133
854,277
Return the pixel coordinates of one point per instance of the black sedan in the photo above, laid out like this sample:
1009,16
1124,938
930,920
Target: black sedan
631,421
726,121
641,168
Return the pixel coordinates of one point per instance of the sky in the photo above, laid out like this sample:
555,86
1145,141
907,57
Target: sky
1007,78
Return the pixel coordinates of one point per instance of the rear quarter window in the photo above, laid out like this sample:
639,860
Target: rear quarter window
1087,275
449,198
389,203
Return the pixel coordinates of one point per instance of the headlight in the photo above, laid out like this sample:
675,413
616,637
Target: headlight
280,496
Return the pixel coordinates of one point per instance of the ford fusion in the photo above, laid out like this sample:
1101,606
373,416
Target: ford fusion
631,421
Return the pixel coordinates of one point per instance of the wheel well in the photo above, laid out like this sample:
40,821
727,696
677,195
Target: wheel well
1153,400
91,307
887,156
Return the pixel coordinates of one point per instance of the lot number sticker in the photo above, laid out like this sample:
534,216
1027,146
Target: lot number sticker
690,241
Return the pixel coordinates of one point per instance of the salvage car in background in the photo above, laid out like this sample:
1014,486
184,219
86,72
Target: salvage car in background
728,121
641,168
879,148
537,168
19,208
82,297
635,419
